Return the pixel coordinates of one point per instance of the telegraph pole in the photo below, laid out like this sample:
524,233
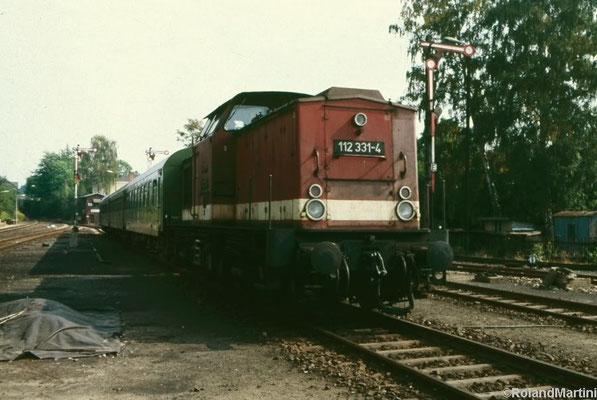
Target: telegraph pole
431,65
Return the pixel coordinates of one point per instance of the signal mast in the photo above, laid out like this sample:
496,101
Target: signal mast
431,63
78,154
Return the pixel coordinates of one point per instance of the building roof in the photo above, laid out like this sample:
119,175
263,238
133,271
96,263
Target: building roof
575,214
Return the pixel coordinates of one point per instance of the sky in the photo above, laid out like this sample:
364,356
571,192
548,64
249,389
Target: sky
135,71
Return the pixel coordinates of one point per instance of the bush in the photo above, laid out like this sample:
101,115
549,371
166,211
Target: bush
592,255
4,215
22,217
538,251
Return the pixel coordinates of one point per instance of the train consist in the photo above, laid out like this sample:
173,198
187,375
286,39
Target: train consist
307,194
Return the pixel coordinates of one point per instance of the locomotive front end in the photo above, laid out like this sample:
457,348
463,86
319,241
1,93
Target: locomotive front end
360,233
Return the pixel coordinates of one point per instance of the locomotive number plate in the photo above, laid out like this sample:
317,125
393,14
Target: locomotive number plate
359,148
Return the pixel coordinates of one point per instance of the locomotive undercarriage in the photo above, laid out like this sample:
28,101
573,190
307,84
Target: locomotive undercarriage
386,272
375,273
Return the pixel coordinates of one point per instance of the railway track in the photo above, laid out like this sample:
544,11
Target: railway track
40,231
571,311
513,270
521,263
458,368
23,225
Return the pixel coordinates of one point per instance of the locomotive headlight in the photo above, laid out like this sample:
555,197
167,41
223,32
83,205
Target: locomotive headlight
315,209
405,192
360,119
405,210
315,191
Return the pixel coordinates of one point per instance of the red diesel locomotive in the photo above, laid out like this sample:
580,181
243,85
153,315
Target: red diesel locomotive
306,193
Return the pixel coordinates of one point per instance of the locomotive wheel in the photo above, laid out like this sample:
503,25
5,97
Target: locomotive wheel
407,286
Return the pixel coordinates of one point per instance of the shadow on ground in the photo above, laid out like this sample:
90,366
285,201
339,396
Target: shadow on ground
156,304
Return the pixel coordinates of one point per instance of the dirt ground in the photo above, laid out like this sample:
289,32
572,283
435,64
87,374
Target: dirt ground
175,346
178,344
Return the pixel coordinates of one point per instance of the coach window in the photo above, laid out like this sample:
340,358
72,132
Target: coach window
158,189
153,192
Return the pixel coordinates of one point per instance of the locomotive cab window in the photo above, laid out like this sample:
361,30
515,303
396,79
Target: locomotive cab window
243,115
210,126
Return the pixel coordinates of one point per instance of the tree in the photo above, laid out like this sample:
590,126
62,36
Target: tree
97,169
51,187
191,132
533,97
124,168
7,202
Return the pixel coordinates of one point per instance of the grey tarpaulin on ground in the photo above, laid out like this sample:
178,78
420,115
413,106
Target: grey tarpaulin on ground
48,329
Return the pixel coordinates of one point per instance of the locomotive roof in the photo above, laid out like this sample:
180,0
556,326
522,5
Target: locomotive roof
342,93
276,99
280,99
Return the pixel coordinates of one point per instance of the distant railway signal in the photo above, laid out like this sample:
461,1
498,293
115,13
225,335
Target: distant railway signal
151,154
465,49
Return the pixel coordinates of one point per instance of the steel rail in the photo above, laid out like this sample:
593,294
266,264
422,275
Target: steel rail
20,226
510,271
513,262
429,340
572,311
7,244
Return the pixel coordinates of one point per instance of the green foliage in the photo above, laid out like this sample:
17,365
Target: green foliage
539,252
97,169
7,200
533,101
592,255
50,190
191,132
51,187
124,168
